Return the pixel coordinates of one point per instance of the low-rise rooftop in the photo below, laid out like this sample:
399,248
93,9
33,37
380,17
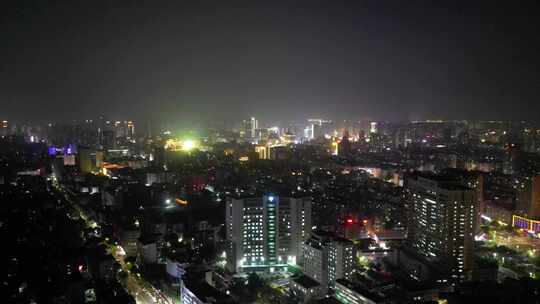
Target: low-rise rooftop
306,282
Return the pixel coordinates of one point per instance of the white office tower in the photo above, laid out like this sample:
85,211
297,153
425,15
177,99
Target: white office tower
266,232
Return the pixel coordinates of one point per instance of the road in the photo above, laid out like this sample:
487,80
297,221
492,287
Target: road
146,294
143,291
523,244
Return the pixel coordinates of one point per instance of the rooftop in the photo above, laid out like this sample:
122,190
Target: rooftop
444,181
363,291
306,282
328,300
204,291
329,236
259,193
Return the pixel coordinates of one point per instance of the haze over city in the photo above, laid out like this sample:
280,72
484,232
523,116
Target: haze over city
200,61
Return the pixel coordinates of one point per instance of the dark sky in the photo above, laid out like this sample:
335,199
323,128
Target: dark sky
198,61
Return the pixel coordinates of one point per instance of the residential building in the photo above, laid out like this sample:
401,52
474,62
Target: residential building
442,219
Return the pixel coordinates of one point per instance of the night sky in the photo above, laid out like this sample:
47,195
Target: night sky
198,61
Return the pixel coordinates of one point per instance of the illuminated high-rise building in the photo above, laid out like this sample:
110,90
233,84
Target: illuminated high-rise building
124,129
376,142
262,151
474,180
261,134
528,196
249,128
5,128
266,232
373,127
442,218
84,159
107,140
308,132
345,148
315,128
317,121
130,129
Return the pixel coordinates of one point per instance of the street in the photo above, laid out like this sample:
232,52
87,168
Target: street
134,282
523,244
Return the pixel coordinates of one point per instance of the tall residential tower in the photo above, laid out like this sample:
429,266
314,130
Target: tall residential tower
442,219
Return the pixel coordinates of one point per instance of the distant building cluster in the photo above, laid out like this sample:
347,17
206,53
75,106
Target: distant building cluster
319,211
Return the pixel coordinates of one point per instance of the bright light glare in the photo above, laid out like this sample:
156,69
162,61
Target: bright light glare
188,145
121,251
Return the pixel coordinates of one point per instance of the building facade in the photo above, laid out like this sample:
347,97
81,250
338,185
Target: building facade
265,232
327,257
346,293
528,196
442,219
304,289
249,128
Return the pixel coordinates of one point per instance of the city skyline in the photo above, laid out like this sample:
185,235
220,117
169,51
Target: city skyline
236,152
